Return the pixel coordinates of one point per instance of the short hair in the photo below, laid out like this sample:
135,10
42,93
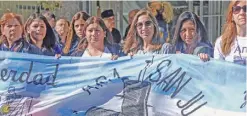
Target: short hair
49,15
8,16
107,13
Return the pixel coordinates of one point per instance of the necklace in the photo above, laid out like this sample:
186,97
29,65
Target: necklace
144,52
92,55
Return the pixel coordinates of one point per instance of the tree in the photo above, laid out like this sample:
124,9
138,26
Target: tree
50,5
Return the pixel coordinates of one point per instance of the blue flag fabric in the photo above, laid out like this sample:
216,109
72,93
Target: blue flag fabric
164,85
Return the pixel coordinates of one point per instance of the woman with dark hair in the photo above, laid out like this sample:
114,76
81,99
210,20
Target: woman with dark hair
40,34
190,37
231,45
75,32
62,29
143,36
97,40
12,35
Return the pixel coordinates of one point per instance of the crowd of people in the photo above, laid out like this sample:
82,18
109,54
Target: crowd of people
92,36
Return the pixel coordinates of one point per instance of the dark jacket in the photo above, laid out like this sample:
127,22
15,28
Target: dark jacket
116,36
56,49
200,48
21,46
126,32
74,45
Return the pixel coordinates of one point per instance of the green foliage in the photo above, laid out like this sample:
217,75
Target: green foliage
51,5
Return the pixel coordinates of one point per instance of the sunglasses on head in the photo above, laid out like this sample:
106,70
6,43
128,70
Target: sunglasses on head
237,9
147,24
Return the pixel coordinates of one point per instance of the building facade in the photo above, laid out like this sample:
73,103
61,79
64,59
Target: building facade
212,13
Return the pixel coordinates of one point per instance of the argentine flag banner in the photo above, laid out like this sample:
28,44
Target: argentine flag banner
159,85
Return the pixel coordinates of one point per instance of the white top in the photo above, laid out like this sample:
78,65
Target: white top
238,50
142,52
103,55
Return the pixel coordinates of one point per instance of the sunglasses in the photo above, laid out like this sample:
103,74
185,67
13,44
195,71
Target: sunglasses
147,24
237,9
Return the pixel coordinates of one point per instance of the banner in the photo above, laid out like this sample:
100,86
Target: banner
160,85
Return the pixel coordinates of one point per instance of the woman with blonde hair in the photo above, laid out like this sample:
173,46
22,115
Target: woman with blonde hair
143,36
231,45
75,32
163,12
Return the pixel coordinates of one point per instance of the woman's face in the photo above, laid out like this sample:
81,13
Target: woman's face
145,27
37,30
95,34
188,32
239,14
78,26
12,29
62,27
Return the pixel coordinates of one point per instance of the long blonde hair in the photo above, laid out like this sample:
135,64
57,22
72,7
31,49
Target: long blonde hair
166,7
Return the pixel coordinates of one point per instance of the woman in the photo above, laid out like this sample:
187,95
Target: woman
163,12
62,29
131,15
190,37
40,34
75,32
12,35
231,45
97,40
143,36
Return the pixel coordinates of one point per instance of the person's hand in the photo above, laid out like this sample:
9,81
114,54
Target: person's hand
131,54
58,56
114,57
204,57
178,52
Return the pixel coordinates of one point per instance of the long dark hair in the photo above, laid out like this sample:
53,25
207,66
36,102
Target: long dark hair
71,34
50,39
201,33
108,40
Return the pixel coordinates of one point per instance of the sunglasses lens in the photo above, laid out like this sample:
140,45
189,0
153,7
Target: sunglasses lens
139,25
244,8
236,9
148,23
